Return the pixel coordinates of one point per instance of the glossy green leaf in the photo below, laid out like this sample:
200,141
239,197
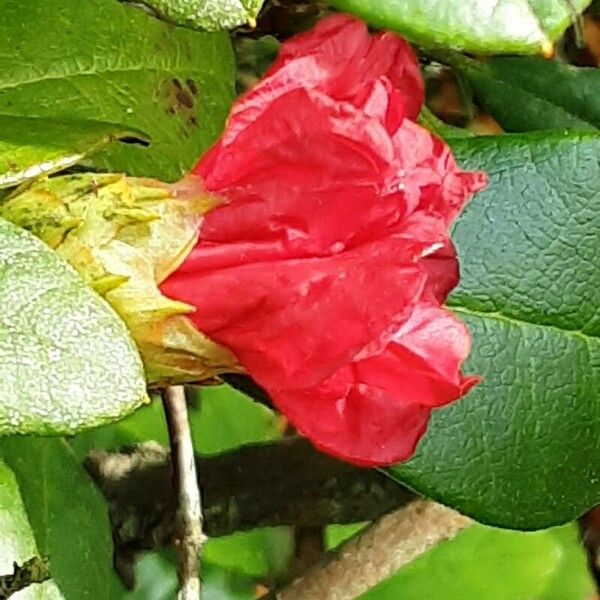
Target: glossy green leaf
31,148
521,449
67,514
104,60
480,26
67,361
529,93
490,564
212,15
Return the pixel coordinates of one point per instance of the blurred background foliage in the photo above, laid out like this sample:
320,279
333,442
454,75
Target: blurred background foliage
482,563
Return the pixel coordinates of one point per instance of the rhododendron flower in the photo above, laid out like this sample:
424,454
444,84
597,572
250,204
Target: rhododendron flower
325,268
309,248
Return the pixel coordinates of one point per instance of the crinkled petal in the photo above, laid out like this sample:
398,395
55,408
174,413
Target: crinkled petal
353,421
313,179
339,58
350,58
325,268
442,272
295,322
433,183
374,411
422,364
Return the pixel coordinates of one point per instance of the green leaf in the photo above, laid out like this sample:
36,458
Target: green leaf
221,419
67,361
226,419
529,93
67,515
521,449
17,543
103,60
428,120
260,553
479,26
475,565
31,148
212,16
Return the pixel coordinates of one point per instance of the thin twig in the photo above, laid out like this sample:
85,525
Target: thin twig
189,512
389,544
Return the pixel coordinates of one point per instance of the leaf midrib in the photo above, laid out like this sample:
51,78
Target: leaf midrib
99,72
500,316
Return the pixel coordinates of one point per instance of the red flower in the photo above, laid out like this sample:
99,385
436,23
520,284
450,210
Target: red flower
325,269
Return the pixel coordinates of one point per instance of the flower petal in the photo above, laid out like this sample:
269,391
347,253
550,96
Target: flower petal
350,58
422,364
308,178
295,322
374,411
339,58
353,421
325,267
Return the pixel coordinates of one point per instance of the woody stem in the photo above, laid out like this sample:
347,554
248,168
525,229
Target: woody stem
189,505
387,545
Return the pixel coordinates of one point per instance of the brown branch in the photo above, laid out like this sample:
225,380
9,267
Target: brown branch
35,570
286,482
188,523
589,529
386,546
309,548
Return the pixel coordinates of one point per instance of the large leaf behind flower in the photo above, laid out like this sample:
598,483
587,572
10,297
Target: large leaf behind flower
100,59
67,361
521,450
481,26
